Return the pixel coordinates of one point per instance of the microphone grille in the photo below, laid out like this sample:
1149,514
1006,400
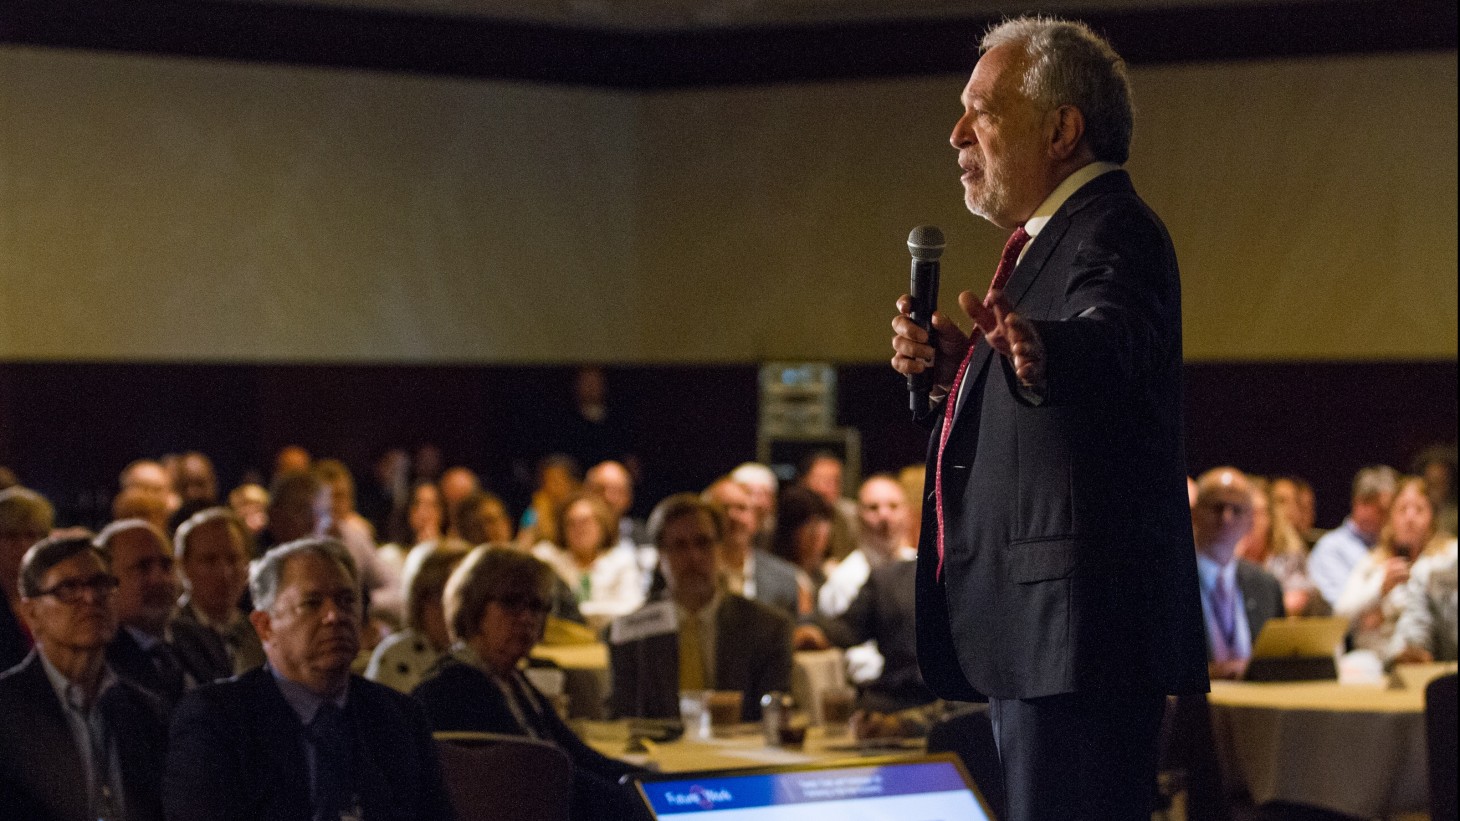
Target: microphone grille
925,243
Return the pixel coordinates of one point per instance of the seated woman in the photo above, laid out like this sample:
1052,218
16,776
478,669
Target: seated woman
607,583
402,659
1274,545
1427,629
497,603
802,535
1374,597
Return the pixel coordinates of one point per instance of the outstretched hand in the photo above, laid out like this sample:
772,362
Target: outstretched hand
1009,333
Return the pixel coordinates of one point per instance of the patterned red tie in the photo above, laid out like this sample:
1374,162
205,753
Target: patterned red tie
1007,261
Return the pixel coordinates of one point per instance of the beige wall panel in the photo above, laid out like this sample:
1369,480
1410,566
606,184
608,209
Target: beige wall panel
175,209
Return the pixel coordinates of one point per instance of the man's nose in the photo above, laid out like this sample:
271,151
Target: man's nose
962,133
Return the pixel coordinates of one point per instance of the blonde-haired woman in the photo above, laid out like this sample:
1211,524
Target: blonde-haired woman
1274,544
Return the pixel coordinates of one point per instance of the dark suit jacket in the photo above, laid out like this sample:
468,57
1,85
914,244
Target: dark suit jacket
199,650
775,583
237,753
41,774
1070,565
462,698
752,655
1262,597
14,643
884,610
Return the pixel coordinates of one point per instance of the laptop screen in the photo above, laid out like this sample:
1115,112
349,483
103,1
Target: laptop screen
928,788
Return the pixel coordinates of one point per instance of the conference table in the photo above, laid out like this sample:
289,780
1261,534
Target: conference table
743,747
1357,749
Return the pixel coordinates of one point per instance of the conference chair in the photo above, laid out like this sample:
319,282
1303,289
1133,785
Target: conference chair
493,777
1440,741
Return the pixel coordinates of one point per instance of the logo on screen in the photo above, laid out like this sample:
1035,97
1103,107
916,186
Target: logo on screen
699,797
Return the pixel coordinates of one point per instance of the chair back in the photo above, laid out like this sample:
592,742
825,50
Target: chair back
505,777
1440,741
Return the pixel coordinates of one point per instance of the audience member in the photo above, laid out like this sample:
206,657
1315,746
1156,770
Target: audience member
823,473
387,493
140,503
803,534
152,648
1427,628
1436,465
497,604
404,658
456,484
212,548
884,614
148,477
481,518
882,516
747,570
195,482
292,459
1292,497
302,737
1273,544
606,583
1375,594
1334,556
8,479
421,519
912,479
76,740
352,530
299,507
25,518
557,479
761,483
250,503
1237,597
697,636
615,485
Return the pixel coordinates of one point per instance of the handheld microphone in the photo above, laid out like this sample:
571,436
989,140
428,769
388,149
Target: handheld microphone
925,243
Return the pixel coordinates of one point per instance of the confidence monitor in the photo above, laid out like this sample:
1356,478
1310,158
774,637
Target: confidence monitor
924,788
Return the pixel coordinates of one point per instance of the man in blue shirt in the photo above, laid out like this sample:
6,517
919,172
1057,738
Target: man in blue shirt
1335,555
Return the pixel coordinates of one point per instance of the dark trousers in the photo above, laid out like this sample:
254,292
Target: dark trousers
1079,756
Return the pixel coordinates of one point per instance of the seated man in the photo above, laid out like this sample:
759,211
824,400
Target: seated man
697,637
76,741
25,518
1237,596
212,547
301,737
1339,551
884,612
152,648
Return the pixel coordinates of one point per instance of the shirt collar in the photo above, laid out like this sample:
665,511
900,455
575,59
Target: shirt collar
1208,570
70,694
1062,192
304,701
705,614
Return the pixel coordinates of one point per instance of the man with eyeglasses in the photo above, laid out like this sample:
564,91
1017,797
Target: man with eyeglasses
25,518
152,648
301,737
76,741
1237,596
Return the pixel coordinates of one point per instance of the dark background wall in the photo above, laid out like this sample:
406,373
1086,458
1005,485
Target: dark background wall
68,429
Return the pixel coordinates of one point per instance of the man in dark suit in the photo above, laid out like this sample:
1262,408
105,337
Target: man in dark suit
76,741
25,518
301,737
1237,596
152,649
884,611
1056,571
748,570
698,637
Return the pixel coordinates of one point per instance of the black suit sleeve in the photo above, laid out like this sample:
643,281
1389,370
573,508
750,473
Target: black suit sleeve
858,622
204,777
1119,302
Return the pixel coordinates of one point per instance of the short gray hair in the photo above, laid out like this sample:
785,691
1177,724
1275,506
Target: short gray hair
265,574
1069,64
104,538
22,509
51,551
1375,480
205,517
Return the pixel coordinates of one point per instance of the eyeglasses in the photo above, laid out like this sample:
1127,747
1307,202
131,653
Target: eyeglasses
1221,508
72,591
346,602
518,604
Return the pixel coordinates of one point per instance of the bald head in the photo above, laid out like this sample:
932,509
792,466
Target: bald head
1223,512
612,483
